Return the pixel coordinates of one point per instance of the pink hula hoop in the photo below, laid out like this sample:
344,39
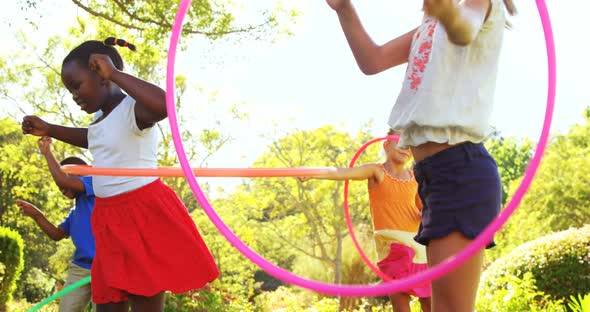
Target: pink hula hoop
361,290
349,224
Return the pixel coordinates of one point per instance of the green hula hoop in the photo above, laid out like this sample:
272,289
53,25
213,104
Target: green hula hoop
61,293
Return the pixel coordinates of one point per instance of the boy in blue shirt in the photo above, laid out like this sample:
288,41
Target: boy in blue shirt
76,225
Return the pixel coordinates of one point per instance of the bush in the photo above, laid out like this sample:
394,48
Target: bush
515,294
21,305
579,304
285,299
37,285
559,263
289,299
11,255
210,299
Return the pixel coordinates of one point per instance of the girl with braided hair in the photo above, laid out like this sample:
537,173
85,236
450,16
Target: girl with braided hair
146,241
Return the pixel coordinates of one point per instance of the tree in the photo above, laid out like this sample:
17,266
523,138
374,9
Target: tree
213,19
295,225
308,217
30,82
512,156
559,197
23,175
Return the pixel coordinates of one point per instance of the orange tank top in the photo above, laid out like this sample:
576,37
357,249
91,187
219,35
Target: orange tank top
395,204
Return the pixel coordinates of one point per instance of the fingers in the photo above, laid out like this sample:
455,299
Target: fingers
23,205
102,65
93,62
27,125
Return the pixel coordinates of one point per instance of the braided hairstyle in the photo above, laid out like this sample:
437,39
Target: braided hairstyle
82,52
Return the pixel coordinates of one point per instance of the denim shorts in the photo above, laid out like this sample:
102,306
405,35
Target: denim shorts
460,190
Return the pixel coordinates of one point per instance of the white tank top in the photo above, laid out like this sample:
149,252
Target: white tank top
448,91
117,142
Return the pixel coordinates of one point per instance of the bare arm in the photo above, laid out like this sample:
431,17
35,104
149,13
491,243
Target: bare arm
364,172
61,179
74,136
370,57
38,127
462,22
56,233
418,202
150,99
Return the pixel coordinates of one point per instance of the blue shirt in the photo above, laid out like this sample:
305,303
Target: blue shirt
77,225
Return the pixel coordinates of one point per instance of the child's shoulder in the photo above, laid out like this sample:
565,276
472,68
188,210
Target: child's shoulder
373,165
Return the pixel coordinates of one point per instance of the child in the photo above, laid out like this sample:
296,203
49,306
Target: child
146,242
444,109
76,225
395,210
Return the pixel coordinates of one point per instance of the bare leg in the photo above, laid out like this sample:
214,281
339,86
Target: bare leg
400,302
456,291
113,307
147,304
425,304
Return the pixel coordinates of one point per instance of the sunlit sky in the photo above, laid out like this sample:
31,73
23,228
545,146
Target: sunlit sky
311,79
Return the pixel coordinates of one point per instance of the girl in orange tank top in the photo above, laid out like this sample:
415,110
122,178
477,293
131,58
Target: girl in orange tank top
396,213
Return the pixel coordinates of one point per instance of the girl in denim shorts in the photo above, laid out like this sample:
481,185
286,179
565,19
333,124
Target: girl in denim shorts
444,109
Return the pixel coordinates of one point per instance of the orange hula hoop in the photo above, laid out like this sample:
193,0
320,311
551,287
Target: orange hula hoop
199,172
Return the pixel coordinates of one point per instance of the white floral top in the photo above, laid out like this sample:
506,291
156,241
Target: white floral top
448,91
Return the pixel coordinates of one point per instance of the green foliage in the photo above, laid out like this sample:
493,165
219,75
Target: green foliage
512,156
11,256
272,218
30,83
579,304
310,212
285,298
212,19
559,194
289,299
23,175
236,272
559,264
354,270
558,197
37,285
211,299
516,294
59,261
23,306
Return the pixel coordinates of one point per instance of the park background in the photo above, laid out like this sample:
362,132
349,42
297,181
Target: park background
271,83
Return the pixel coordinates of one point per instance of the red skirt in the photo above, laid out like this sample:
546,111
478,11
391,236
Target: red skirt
146,243
399,264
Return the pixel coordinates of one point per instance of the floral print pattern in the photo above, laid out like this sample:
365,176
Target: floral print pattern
419,58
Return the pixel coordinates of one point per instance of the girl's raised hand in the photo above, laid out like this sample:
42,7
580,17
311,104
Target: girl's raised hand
337,5
102,65
439,9
44,144
27,208
35,126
